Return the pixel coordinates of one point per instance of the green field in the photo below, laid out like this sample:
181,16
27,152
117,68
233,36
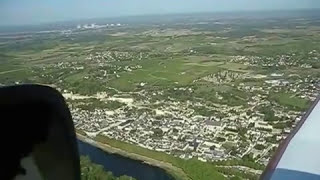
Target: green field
163,73
291,101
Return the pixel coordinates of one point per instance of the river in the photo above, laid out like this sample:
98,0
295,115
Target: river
120,165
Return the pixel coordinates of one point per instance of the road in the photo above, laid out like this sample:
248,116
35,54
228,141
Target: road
5,72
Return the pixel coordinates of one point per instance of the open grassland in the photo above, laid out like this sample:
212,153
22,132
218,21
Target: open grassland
290,101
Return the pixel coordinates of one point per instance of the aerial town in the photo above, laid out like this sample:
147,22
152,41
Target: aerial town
177,128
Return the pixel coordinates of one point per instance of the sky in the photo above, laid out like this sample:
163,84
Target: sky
19,12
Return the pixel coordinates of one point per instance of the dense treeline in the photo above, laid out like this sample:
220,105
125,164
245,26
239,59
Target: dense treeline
91,171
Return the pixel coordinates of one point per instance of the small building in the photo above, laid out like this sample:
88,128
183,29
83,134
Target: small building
213,125
262,125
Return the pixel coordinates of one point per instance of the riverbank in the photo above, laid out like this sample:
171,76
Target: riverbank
181,169
176,172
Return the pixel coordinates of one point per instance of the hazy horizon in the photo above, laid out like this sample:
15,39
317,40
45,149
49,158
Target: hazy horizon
24,12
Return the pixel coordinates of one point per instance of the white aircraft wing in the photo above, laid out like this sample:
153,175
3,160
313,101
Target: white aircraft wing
298,156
